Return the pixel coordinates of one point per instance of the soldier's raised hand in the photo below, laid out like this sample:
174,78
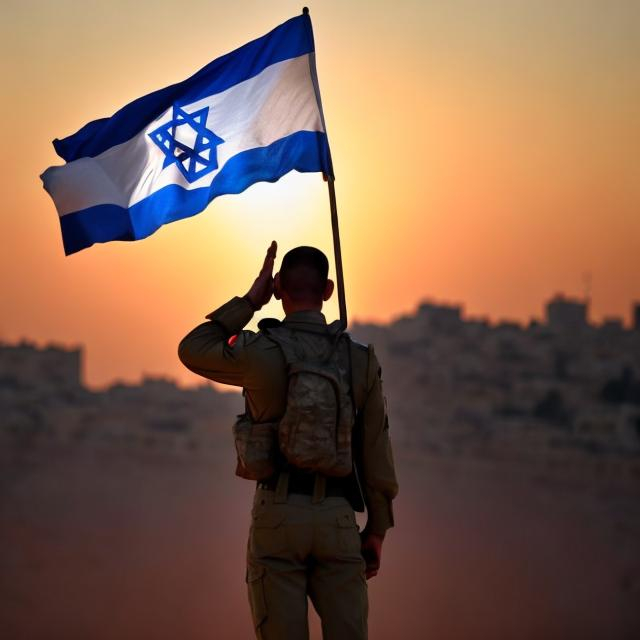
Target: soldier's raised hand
262,287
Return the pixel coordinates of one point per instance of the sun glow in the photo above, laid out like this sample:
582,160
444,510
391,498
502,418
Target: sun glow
291,210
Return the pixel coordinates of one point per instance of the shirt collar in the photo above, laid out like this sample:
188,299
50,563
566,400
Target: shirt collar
306,317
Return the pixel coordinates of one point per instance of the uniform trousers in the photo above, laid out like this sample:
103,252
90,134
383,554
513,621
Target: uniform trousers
299,549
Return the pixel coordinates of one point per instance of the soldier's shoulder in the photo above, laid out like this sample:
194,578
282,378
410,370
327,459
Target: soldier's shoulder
366,361
358,346
360,355
259,340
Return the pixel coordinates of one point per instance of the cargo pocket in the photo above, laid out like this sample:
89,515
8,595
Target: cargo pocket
255,447
257,600
348,533
267,536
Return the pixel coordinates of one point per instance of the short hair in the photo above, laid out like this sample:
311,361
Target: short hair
304,273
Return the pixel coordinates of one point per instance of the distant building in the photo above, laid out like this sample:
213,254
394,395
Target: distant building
506,326
566,314
636,316
53,368
42,397
612,324
440,317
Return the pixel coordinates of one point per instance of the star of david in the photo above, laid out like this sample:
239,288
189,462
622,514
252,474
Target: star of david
187,143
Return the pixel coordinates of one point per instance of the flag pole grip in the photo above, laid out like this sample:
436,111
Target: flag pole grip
342,303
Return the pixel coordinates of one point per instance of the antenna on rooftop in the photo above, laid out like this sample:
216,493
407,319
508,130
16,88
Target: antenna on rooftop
587,281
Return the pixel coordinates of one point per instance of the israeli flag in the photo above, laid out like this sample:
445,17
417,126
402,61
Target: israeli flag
252,115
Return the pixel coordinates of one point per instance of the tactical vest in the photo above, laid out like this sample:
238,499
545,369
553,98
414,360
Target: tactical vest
314,434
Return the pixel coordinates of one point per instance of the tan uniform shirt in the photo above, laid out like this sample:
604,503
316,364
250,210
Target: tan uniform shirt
256,363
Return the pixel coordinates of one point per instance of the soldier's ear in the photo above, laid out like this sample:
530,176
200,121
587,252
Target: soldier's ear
328,290
277,289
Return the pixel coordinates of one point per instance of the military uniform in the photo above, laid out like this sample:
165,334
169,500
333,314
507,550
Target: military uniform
304,539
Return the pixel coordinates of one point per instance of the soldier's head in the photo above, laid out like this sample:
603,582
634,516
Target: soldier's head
302,282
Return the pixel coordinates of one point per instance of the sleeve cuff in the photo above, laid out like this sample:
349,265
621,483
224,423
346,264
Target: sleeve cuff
233,316
380,518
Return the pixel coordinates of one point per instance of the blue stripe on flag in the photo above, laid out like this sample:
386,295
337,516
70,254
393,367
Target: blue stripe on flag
304,151
291,39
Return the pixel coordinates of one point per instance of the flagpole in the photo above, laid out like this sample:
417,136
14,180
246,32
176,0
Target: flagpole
342,302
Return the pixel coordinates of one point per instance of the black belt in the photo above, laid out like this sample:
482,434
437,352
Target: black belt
304,483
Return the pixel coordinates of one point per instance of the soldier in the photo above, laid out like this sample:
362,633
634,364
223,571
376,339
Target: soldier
304,540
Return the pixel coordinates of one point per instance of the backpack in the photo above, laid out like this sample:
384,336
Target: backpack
314,433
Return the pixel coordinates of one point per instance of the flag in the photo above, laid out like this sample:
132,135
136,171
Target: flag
252,115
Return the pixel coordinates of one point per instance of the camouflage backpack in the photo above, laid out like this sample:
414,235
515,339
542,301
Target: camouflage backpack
315,431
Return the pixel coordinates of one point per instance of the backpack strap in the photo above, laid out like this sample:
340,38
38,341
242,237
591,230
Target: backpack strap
282,487
359,387
288,344
358,398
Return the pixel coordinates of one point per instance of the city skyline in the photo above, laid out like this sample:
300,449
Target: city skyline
446,311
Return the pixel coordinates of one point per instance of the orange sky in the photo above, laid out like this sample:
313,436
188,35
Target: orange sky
486,153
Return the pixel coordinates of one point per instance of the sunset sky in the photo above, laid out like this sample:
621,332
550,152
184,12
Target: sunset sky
486,153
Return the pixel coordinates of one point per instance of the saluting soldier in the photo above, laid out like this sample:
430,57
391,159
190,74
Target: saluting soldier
315,436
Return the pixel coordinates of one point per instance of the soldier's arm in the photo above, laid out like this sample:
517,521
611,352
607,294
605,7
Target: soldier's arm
210,350
378,472
218,349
